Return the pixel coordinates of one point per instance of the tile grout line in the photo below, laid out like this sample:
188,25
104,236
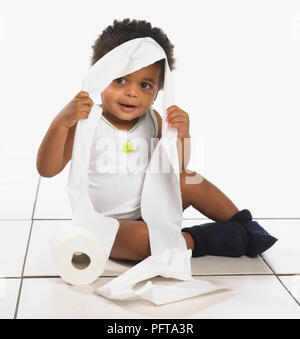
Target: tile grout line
205,219
194,275
21,219
282,284
26,252
182,219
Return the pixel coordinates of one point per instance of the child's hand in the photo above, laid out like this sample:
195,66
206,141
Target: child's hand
178,118
78,108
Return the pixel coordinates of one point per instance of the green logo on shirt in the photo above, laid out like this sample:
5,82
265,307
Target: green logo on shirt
128,147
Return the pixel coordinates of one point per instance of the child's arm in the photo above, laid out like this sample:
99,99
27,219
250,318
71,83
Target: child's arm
186,144
55,150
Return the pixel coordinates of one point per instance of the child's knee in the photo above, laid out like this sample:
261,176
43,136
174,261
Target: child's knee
140,240
132,241
189,177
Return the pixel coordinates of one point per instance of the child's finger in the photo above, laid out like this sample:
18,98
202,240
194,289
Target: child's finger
88,102
175,114
173,123
177,118
82,94
84,114
172,108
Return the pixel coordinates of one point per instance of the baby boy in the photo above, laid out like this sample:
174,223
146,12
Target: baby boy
127,108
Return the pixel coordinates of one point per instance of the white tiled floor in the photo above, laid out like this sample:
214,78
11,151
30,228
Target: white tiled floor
17,194
264,287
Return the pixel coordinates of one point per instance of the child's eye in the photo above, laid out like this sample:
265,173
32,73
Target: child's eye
145,83
119,80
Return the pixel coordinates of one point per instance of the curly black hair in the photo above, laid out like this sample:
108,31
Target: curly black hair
122,31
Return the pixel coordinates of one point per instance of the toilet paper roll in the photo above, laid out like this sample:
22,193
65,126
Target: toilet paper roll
78,255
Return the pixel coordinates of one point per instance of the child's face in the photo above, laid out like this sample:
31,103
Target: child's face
135,89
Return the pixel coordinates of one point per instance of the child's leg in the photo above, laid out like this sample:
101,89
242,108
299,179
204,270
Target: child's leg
206,197
215,238
132,241
210,238
219,238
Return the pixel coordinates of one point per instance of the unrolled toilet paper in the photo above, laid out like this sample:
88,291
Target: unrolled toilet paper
161,204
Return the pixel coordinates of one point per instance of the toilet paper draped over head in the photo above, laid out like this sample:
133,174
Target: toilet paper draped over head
161,204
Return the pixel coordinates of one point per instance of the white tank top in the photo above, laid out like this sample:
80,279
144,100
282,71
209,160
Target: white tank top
118,164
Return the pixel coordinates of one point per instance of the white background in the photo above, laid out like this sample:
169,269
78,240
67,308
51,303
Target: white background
237,76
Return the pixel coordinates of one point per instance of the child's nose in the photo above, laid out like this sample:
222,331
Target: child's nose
131,90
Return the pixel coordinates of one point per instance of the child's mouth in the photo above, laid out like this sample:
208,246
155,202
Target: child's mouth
127,108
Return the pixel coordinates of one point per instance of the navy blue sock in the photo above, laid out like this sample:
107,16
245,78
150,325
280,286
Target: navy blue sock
221,238
258,239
